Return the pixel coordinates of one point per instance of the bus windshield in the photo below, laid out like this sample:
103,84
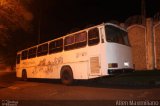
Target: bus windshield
116,35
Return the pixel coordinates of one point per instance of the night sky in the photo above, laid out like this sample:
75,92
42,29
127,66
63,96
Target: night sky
59,17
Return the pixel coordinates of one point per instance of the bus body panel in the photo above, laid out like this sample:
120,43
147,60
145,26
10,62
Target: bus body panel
86,62
49,66
78,61
121,55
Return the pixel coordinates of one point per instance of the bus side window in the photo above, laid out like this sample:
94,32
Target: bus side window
24,54
42,50
69,42
93,37
32,52
81,39
18,59
56,46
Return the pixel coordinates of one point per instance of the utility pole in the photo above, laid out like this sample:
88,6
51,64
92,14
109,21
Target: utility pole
39,24
143,12
39,30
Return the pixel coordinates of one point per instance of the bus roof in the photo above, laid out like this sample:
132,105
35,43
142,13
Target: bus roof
116,26
103,24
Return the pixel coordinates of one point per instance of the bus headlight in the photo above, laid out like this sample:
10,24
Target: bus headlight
126,64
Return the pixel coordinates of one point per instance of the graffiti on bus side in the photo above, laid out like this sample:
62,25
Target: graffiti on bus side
28,63
81,54
47,67
56,61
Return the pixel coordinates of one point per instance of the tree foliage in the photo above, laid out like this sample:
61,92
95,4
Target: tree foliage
15,19
137,19
14,14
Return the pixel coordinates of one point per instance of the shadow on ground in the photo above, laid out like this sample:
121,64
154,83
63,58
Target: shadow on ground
99,83
7,79
127,81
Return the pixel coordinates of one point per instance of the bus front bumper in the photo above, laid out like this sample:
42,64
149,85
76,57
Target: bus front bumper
119,71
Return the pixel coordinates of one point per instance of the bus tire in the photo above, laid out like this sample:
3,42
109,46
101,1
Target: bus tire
67,75
24,75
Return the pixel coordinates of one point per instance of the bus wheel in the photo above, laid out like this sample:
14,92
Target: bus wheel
66,75
24,75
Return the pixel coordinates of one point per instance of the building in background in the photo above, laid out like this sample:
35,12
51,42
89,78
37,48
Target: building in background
145,42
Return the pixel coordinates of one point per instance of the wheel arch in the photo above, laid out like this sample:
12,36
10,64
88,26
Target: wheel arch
63,69
66,75
24,76
23,70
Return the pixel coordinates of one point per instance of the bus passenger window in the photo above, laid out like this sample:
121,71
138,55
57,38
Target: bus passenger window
69,42
56,46
52,47
93,37
81,39
18,59
32,52
24,54
42,50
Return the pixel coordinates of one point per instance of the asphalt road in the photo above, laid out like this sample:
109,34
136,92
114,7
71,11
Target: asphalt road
49,92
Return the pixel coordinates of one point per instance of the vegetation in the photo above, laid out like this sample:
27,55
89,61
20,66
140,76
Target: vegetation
15,19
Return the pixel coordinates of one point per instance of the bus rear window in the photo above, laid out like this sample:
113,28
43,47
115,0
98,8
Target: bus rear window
18,59
116,35
24,54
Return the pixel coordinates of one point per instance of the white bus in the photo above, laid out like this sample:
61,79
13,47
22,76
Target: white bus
90,53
